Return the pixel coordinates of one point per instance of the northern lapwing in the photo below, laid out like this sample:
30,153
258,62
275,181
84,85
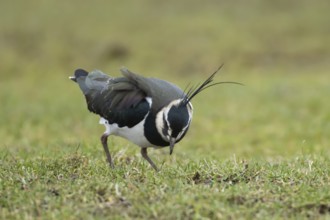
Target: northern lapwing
149,112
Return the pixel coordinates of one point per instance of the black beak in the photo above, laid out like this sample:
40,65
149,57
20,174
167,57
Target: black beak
172,142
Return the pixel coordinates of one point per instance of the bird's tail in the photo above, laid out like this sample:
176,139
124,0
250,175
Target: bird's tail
93,81
78,74
80,78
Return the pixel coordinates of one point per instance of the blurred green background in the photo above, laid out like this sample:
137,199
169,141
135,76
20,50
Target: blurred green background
279,49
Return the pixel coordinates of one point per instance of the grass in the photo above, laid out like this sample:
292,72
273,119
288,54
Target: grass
260,151
75,186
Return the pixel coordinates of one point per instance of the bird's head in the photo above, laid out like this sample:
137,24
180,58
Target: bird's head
173,121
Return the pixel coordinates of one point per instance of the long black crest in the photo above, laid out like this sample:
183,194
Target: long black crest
194,90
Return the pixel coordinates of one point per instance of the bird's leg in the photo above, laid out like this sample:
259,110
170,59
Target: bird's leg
144,154
104,140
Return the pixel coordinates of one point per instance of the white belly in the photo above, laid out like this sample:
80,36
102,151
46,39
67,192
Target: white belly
134,134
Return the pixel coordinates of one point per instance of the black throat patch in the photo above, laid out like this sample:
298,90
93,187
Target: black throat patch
151,132
178,118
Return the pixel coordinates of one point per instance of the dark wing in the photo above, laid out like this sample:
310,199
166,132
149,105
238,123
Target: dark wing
115,99
161,92
122,94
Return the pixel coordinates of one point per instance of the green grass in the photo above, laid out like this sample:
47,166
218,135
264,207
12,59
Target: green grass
259,151
76,186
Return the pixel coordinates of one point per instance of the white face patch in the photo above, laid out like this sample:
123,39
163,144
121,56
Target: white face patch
190,112
161,118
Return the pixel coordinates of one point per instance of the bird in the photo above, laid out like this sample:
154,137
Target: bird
148,112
